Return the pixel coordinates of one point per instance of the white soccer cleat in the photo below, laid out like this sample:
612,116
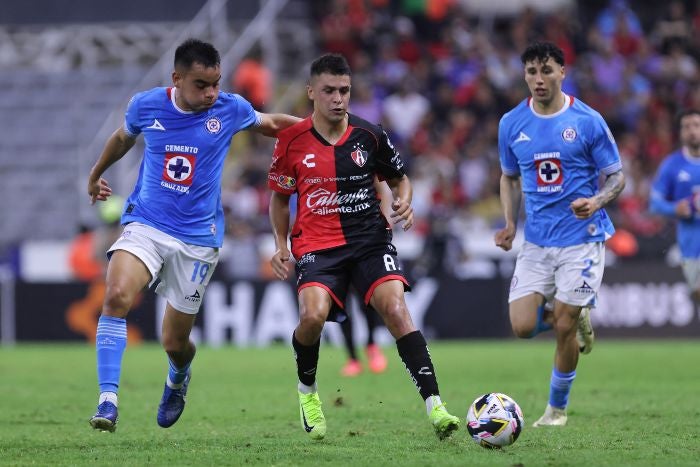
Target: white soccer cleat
552,417
584,332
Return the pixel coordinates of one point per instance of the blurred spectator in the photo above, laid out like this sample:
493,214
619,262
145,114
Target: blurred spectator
404,109
253,80
618,11
240,254
88,250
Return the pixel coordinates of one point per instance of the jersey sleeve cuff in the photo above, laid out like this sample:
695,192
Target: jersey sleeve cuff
611,169
510,172
129,132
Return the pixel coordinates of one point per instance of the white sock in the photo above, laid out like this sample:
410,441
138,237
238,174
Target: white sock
432,402
304,389
172,385
108,396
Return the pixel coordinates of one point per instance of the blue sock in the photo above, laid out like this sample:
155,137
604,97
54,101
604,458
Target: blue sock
176,376
110,345
559,388
540,326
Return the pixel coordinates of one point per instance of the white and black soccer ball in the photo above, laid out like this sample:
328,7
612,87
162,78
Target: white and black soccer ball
494,420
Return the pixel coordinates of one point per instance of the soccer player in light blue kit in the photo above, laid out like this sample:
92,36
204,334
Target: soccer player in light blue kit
174,221
676,193
552,148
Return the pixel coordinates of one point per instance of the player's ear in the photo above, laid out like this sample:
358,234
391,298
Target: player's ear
310,92
177,78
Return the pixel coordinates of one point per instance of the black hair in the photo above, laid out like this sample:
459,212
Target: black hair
333,64
195,51
542,51
685,113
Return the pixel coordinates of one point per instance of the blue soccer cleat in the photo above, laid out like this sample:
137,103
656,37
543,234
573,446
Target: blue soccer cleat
173,403
105,419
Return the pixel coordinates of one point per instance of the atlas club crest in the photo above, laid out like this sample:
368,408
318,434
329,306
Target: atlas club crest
359,157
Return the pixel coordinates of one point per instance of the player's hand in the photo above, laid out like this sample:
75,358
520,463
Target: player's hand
504,238
99,190
402,212
583,208
280,263
683,209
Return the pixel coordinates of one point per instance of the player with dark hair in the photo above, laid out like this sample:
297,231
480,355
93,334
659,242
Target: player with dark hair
676,193
174,221
552,148
341,237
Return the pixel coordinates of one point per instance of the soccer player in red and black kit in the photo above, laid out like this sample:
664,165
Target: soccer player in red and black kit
340,236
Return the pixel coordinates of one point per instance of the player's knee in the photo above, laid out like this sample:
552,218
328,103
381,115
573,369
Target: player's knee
312,318
393,308
523,330
565,325
173,343
117,300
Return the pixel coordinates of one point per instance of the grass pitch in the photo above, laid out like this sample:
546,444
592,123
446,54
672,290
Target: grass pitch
633,403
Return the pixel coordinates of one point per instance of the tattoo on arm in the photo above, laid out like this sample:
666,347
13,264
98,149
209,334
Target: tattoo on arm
613,186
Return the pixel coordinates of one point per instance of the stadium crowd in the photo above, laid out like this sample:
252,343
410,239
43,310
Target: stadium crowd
439,77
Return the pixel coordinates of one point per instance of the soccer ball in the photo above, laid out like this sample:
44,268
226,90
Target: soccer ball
494,420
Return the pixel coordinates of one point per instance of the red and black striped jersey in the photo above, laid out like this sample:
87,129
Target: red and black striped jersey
337,203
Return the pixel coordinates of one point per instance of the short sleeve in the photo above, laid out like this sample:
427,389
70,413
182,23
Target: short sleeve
663,183
281,177
132,124
389,162
604,149
509,163
244,114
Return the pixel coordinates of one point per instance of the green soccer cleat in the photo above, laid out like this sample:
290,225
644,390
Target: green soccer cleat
584,331
311,415
443,423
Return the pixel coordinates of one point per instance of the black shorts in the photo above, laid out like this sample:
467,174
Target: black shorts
337,268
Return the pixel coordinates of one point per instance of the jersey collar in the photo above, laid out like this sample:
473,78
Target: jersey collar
568,102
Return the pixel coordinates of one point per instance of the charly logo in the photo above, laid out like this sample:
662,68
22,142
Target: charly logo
213,125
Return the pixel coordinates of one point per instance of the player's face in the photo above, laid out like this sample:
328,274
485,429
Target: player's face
544,80
331,96
198,87
690,131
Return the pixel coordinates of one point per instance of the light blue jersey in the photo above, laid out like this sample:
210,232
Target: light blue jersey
559,158
678,177
178,190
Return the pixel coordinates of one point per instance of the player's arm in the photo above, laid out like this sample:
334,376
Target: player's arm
117,145
661,189
681,208
279,218
402,192
584,208
270,124
511,197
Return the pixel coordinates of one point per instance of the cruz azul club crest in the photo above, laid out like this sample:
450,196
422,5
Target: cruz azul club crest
359,156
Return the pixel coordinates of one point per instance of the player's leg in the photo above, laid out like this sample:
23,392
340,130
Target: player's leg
375,357
565,362
352,367
579,273
127,275
314,306
532,284
530,315
184,279
181,350
388,299
691,272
